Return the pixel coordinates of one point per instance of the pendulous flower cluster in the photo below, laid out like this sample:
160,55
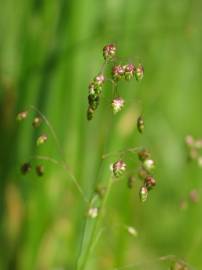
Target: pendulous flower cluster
37,121
145,173
119,72
118,168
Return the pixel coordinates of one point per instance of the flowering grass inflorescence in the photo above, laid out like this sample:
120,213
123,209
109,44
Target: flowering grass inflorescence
37,122
120,168
118,72
122,72
144,170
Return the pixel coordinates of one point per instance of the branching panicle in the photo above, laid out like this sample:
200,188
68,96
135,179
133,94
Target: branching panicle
118,72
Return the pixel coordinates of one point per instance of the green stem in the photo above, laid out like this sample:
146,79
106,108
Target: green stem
71,175
86,249
133,150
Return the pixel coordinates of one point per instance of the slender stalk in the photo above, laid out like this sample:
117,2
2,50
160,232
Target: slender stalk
122,152
103,67
57,162
61,152
91,229
167,258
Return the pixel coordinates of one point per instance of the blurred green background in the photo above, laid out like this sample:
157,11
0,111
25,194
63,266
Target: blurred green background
49,51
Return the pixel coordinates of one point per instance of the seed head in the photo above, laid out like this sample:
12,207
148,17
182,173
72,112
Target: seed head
40,170
90,113
41,139
132,231
93,101
109,52
117,104
143,154
139,74
26,168
99,80
129,71
36,122
91,88
21,116
149,182
118,168
140,124
95,88
93,212
118,72
143,194
148,165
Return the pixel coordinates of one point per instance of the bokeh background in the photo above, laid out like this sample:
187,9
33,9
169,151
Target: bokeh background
49,51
